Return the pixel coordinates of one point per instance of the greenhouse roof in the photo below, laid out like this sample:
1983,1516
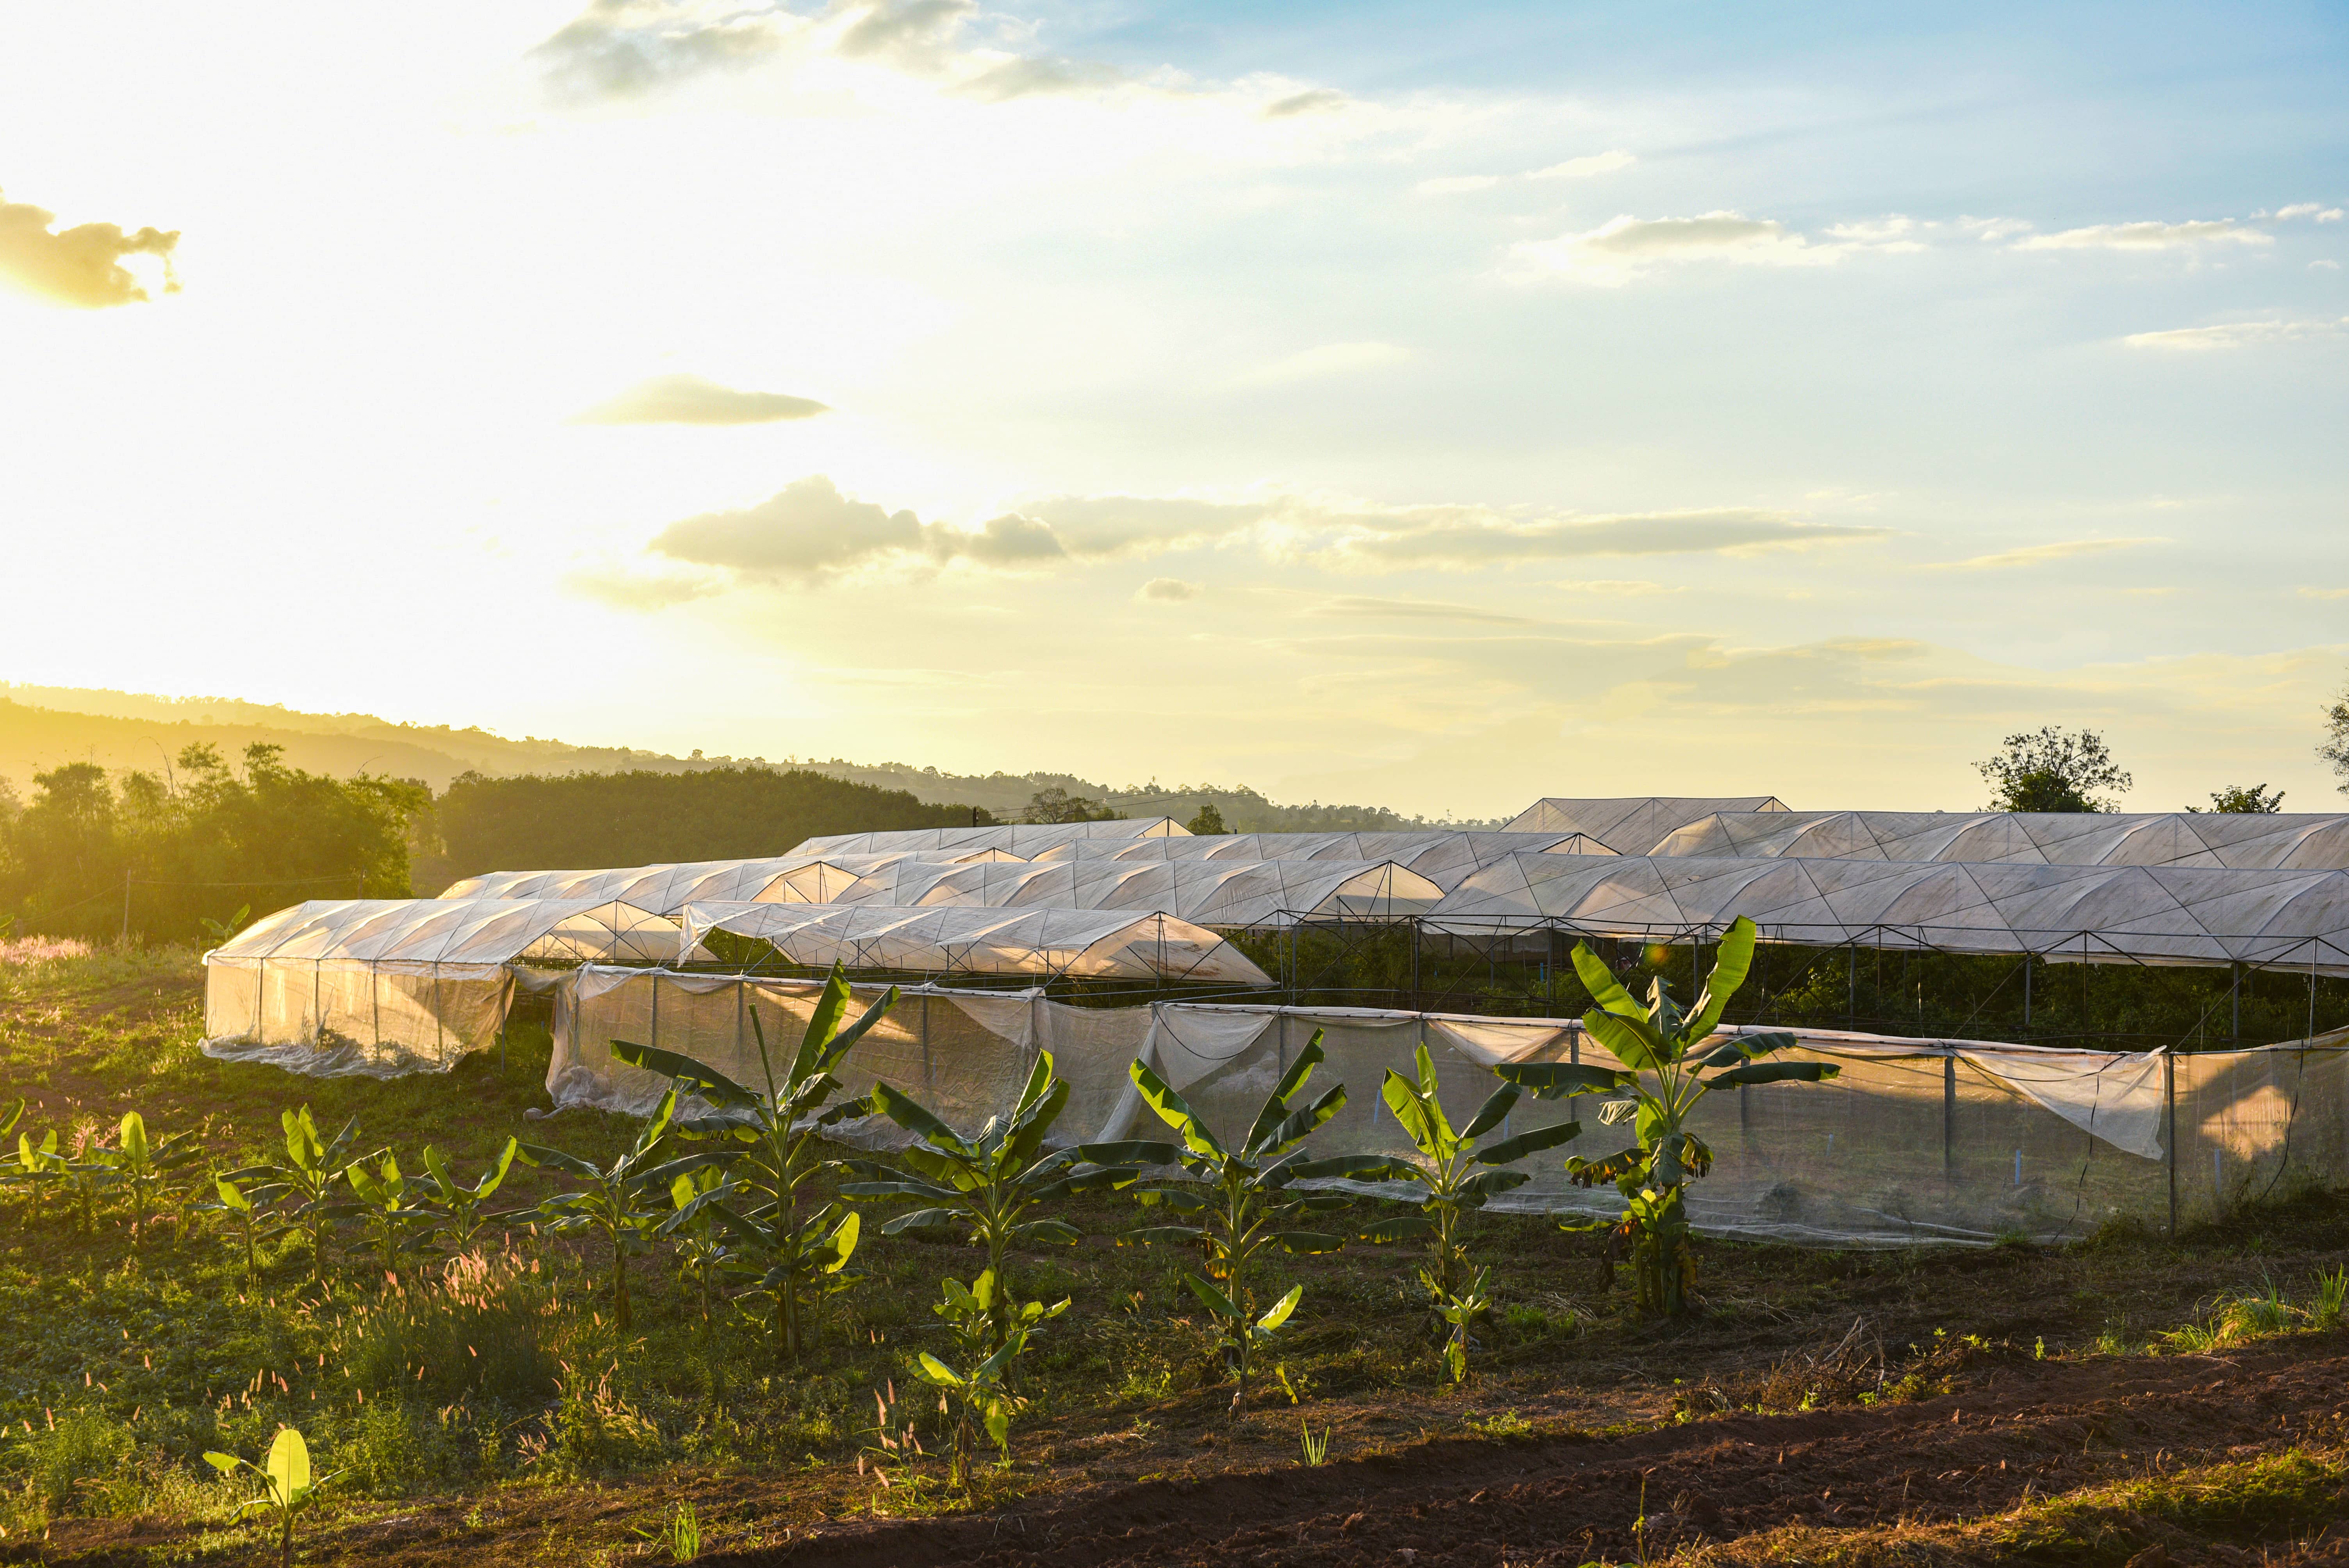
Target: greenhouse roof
468,933
1631,825
1023,841
963,940
1444,856
1210,892
2244,840
2146,914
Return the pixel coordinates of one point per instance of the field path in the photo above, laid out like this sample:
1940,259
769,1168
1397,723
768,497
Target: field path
2051,1428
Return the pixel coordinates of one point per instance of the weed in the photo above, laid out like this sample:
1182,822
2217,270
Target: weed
681,1535
1317,1449
85,1447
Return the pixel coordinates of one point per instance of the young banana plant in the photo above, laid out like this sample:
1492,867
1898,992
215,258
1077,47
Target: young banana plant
392,1206
1454,1179
621,1201
802,1248
1670,1062
147,1169
309,1180
699,1233
246,1208
35,1166
988,1186
287,1487
1243,1198
459,1206
976,1395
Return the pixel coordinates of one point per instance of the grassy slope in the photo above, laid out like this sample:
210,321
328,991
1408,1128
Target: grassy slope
568,1441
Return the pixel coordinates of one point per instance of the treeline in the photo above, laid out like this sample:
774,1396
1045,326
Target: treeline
160,853
588,819
179,853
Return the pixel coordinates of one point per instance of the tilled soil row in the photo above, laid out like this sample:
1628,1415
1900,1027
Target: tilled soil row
2031,1431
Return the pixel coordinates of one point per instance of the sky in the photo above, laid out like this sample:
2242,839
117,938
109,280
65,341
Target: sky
1440,407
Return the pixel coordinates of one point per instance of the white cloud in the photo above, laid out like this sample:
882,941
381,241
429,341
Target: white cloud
1417,610
2310,210
2324,593
2040,554
1625,247
81,265
1168,590
2327,265
1584,168
808,531
2237,335
1315,100
1456,184
1991,231
625,48
1329,359
2149,236
696,400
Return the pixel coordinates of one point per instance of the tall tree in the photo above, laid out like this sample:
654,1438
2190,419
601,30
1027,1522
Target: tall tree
2052,770
2334,747
2257,799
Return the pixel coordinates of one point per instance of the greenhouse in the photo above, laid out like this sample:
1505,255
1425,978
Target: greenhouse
1916,1139
2142,914
959,940
1233,893
667,889
2239,841
385,985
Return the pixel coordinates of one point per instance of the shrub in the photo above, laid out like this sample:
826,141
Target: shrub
85,1445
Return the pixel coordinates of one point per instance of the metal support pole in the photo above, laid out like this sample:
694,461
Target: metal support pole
126,908
1949,1113
2026,993
1851,1003
1416,1003
929,1087
2235,1003
2169,1132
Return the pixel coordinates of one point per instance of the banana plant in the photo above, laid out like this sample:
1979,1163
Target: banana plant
988,1186
804,1250
458,1205
699,1232
1671,1061
976,1396
1455,1179
287,1487
147,1168
309,1181
246,1208
391,1207
1244,1197
34,1167
87,1177
619,1201
217,932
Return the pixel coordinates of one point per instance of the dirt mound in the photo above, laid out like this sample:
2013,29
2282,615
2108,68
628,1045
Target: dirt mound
2032,1431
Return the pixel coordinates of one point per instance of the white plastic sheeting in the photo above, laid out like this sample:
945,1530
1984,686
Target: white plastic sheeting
1634,825
1050,944
1023,841
2145,914
1231,894
668,888
1915,1140
1444,857
382,987
2240,841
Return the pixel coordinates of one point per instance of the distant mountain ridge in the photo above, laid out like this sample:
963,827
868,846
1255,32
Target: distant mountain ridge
42,726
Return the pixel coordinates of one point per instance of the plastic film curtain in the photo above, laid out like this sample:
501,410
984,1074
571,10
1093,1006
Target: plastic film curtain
1915,1141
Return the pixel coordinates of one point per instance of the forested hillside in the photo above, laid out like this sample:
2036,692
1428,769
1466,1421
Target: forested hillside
640,818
